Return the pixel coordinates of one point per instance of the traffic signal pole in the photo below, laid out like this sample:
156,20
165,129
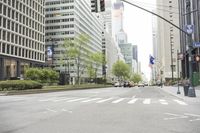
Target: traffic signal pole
191,91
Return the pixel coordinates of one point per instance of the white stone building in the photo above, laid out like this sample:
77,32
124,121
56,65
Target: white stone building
22,36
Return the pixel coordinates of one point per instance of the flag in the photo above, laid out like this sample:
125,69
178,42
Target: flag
151,61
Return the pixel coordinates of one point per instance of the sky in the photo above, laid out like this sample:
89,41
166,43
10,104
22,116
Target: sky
138,26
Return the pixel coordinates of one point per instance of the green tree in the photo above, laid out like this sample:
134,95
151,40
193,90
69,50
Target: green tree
121,70
136,78
98,60
90,71
76,51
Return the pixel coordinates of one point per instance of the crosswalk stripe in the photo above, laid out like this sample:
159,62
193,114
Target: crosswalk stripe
74,100
180,102
147,101
119,100
104,100
93,99
164,102
133,101
48,99
62,99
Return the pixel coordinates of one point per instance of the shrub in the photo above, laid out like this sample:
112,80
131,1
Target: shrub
19,85
45,75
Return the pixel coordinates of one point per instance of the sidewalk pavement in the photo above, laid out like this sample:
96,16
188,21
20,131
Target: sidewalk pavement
173,91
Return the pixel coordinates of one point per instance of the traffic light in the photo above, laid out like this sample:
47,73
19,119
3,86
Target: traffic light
197,58
102,5
94,6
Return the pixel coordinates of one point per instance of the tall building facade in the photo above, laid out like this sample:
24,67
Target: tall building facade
127,51
68,19
135,53
166,40
22,36
118,11
190,15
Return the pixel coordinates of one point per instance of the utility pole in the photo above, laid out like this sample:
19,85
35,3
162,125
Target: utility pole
191,88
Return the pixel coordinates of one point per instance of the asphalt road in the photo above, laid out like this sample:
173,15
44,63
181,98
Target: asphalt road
108,110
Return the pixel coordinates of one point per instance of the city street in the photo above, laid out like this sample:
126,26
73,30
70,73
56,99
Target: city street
108,110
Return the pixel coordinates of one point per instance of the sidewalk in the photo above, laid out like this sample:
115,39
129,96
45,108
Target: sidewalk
173,91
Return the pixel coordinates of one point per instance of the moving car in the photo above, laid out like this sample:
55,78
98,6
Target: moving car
141,85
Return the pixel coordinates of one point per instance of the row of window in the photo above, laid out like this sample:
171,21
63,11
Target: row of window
59,2
19,16
57,39
58,14
21,52
20,29
17,39
59,20
21,6
59,33
59,27
59,8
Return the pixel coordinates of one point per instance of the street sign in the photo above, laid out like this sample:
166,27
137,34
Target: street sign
189,29
196,44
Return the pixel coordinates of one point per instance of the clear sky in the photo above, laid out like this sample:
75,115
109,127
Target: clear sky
138,26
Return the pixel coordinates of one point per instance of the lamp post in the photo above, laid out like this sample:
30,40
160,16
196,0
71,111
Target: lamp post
178,58
191,91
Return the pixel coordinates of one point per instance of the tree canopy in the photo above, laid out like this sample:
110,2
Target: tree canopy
136,78
121,69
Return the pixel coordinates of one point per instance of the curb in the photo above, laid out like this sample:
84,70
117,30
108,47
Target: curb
180,96
37,91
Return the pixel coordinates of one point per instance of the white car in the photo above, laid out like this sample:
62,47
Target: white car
116,84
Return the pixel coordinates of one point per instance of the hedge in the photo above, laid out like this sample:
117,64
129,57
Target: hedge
45,75
19,85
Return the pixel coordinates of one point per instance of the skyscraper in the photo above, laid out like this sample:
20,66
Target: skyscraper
118,11
68,19
135,53
167,39
22,36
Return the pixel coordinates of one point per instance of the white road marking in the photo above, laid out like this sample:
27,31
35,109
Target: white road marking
176,116
48,99
147,101
164,102
119,100
193,115
74,100
133,101
180,102
101,101
65,110
51,110
93,99
62,99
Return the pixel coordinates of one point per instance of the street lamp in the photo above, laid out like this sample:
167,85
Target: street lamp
191,91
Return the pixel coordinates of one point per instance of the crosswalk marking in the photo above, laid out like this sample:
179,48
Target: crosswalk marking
180,102
147,101
61,99
114,100
101,101
48,99
133,101
93,99
164,102
119,100
74,100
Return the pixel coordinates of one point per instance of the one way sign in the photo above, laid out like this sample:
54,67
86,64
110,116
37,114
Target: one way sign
196,44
